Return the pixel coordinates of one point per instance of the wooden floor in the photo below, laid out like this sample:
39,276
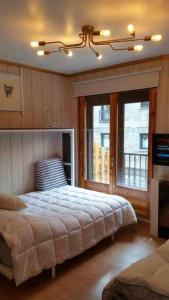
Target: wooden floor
84,277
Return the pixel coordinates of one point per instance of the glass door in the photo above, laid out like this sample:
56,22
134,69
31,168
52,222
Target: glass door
115,144
98,142
133,140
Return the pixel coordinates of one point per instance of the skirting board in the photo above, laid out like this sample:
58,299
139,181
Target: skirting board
6,271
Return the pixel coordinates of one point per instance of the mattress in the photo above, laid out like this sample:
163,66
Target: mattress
58,225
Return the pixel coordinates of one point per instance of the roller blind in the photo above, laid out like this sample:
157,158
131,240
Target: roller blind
125,82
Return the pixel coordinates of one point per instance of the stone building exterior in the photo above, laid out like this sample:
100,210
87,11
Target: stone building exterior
133,170
136,127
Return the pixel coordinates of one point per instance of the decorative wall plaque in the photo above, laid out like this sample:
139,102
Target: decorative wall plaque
11,92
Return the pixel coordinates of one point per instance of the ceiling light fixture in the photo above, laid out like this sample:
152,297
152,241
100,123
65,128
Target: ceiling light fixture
131,29
34,44
40,52
68,52
105,32
138,47
156,37
99,55
87,39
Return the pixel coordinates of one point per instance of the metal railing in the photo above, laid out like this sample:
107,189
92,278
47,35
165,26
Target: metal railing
132,168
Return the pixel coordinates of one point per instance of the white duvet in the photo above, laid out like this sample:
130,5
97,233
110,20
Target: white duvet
60,224
150,272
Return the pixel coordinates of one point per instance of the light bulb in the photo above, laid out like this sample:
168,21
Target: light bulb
138,47
70,53
156,37
131,28
40,52
34,44
105,32
99,55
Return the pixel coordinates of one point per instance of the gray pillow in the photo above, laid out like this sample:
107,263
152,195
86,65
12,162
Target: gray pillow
49,174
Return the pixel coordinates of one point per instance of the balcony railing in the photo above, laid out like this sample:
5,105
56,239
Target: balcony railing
132,168
133,171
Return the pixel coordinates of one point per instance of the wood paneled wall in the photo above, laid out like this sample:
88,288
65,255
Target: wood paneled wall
18,153
47,101
162,115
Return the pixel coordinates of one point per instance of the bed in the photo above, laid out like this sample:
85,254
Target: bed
145,279
57,225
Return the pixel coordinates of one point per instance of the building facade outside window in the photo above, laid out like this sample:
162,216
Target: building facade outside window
143,141
144,105
105,138
136,135
105,113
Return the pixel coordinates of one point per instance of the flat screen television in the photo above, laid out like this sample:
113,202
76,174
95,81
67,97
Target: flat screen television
161,149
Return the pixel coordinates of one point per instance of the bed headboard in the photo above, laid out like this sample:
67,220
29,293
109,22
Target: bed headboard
18,153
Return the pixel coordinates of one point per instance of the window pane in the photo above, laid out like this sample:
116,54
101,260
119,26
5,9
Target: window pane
104,113
133,154
143,141
144,104
98,143
105,140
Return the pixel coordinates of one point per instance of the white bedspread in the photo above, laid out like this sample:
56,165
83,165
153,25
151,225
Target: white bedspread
60,224
151,272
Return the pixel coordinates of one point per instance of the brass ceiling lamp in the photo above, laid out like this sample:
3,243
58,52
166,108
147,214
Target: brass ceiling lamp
87,39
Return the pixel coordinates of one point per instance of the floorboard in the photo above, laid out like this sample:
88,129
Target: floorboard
84,277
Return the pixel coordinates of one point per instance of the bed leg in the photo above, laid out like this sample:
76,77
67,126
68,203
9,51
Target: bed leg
53,272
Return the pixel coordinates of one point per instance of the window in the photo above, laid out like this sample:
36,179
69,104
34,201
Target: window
105,140
144,105
133,128
98,143
143,141
126,166
105,113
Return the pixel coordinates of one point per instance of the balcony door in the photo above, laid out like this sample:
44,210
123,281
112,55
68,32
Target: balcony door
115,143
133,139
97,141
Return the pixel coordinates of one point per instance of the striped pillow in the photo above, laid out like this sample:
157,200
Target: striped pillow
49,174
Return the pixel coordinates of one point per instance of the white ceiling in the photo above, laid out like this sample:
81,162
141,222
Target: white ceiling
24,20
